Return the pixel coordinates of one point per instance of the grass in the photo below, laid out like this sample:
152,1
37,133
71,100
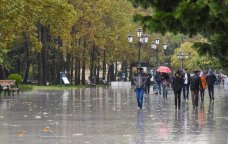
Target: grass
57,87
29,87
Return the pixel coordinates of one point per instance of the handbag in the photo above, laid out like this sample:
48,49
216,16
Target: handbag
165,83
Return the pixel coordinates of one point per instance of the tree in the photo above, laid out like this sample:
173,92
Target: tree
194,61
208,18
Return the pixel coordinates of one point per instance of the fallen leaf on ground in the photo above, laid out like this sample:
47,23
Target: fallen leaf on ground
46,129
20,133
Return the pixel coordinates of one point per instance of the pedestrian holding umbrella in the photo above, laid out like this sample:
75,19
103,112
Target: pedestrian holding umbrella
164,69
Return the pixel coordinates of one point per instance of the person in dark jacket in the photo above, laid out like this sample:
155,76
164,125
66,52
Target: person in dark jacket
211,79
177,85
157,78
195,85
148,82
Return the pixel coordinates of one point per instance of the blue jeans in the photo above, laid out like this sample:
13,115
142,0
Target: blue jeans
139,96
165,91
158,88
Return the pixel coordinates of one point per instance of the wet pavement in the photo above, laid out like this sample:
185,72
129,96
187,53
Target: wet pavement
110,116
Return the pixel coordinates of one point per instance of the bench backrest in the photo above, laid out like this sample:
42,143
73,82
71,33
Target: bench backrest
7,82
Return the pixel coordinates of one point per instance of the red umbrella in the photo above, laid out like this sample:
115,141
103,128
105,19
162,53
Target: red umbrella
164,69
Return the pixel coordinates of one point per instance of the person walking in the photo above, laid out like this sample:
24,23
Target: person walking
177,85
195,84
204,85
165,84
148,82
211,79
139,81
157,78
186,77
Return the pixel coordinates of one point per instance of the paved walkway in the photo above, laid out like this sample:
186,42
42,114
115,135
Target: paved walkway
110,116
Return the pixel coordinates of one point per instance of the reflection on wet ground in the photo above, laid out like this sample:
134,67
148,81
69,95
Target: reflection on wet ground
105,115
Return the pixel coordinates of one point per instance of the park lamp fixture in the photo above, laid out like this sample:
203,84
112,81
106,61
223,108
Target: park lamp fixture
157,41
153,45
165,46
141,39
181,56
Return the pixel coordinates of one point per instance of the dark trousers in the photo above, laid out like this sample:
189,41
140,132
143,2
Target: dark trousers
211,92
147,88
185,91
195,97
202,94
177,95
139,96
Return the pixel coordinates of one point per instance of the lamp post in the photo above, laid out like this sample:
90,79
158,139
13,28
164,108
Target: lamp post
155,46
165,45
182,56
141,39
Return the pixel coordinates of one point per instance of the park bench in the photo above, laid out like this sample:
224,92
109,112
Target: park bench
9,87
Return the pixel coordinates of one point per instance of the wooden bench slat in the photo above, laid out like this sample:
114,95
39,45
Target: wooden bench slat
8,86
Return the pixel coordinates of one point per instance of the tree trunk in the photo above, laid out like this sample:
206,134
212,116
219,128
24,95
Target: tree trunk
104,66
39,63
71,68
26,48
92,54
116,71
45,37
111,75
83,62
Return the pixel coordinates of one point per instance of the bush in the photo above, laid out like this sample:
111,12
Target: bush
24,87
15,77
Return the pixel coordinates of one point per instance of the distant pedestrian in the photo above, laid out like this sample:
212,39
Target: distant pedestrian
157,78
211,79
195,84
204,85
177,85
139,81
148,82
165,84
186,77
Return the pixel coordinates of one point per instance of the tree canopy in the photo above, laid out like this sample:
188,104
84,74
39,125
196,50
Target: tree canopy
190,17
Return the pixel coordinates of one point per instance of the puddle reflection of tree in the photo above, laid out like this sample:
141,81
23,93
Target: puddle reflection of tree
177,127
140,133
210,117
202,116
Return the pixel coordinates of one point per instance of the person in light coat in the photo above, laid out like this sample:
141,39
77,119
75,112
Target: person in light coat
139,81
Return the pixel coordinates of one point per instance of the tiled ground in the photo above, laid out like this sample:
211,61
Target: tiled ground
110,116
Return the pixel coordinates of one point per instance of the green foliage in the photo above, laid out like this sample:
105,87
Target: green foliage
16,77
195,60
190,17
26,87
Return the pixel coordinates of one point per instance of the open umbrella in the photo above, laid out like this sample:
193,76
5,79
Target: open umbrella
164,69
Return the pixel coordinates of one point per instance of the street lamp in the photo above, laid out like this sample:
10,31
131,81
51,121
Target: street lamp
165,45
141,39
182,56
155,44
